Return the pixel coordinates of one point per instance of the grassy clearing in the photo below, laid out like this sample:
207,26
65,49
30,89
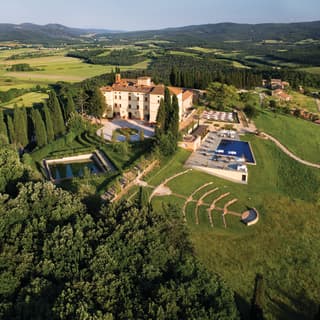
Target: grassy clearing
237,64
286,194
26,100
205,50
315,70
303,102
181,53
300,136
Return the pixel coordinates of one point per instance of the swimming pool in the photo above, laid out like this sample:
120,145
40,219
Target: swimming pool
234,148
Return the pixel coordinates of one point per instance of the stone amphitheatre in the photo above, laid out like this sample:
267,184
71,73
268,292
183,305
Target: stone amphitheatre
207,198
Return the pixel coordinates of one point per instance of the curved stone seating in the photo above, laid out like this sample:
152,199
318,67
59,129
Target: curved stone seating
250,217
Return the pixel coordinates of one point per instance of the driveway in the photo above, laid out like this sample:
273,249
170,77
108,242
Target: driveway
110,126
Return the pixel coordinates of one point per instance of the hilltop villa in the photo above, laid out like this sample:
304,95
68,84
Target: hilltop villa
140,98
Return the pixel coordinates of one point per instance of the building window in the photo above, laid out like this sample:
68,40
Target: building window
137,98
129,106
137,107
119,97
116,97
146,99
129,98
158,101
145,107
119,105
115,105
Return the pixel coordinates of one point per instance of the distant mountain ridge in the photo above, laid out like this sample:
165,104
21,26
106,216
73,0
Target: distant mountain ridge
206,33
29,32
231,32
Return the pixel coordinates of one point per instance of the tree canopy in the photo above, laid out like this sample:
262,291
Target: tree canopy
56,114
222,96
167,130
124,261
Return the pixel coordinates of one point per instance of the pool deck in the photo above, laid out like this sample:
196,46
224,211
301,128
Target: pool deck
222,166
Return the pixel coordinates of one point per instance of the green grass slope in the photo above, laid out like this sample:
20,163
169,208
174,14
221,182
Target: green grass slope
299,136
283,246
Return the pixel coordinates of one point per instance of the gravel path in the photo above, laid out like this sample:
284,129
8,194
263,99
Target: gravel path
318,104
289,153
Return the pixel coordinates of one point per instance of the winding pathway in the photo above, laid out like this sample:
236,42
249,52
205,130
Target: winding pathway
318,104
289,153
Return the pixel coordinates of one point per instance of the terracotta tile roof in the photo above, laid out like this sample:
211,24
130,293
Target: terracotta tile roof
187,94
158,90
175,90
131,85
106,89
131,88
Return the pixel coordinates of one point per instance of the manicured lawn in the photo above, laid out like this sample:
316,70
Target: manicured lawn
299,136
283,246
25,100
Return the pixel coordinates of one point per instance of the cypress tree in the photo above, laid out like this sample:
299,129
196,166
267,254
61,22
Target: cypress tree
174,118
173,76
49,126
56,114
70,108
161,118
20,126
143,199
167,102
10,130
24,117
97,104
3,130
39,128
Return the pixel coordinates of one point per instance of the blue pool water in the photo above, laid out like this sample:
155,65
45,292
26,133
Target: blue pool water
235,149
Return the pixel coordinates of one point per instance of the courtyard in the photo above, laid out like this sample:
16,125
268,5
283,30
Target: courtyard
110,126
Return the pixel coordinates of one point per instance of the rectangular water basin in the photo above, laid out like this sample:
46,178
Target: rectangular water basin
77,166
236,149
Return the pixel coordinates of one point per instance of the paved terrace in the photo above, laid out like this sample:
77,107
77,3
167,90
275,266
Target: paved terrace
203,156
110,126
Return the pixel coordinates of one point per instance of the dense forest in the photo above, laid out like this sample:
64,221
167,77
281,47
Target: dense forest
124,261
125,57
184,71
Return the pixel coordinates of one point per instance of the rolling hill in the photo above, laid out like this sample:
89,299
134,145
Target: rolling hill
198,34
289,32
31,33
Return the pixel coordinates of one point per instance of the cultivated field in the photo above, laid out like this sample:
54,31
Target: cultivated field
52,66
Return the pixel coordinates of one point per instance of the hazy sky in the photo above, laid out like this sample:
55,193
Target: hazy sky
153,14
